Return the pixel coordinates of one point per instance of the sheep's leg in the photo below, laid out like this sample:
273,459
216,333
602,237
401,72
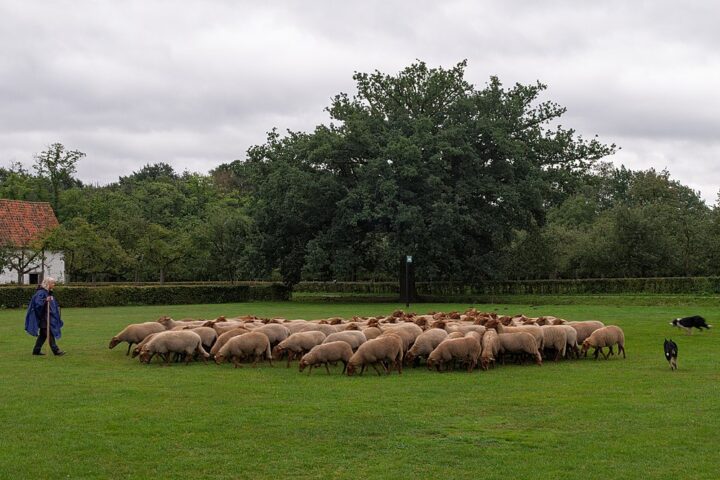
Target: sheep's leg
374,365
344,367
255,359
327,368
236,361
362,369
288,362
399,366
167,359
621,348
129,345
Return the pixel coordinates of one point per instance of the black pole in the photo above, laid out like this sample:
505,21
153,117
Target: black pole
407,283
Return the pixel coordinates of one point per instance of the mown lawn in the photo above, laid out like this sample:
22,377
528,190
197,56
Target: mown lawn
95,413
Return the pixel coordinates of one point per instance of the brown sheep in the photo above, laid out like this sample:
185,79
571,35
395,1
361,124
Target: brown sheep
555,338
135,333
425,344
325,353
605,337
252,344
518,343
585,329
533,330
138,348
465,350
222,339
184,342
372,332
320,327
275,332
297,345
353,338
387,348
490,349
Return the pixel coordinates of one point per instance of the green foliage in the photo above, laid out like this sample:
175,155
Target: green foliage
57,165
71,296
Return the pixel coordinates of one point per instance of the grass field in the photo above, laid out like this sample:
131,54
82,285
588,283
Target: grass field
95,413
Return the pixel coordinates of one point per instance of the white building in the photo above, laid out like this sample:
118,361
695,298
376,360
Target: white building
21,223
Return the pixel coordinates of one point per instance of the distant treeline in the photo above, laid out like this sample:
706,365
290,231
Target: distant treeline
475,183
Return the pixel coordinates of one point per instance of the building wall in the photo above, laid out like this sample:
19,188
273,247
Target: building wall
54,267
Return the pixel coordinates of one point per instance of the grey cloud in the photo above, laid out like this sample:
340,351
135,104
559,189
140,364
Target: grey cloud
196,83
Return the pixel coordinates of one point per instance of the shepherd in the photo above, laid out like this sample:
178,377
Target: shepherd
43,314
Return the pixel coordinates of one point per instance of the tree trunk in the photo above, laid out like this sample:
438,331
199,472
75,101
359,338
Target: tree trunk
162,275
20,277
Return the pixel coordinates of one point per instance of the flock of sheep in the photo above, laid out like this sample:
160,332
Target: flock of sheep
444,340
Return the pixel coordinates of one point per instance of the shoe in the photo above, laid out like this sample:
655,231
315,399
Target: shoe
59,353
38,353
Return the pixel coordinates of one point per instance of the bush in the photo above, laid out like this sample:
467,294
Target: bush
105,296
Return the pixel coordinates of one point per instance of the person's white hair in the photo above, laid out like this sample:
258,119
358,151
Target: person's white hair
46,282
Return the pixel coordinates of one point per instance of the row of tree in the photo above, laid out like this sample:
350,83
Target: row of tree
473,183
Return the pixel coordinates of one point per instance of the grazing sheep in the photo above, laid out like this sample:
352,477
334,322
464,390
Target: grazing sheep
253,344
465,350
425,344
605,337
169,323
466,328
372,332
275,332
407,331
354,338
298,344
135,333
207,334
325,353
519,343
490,349
295,326
184,342
320,327
533,330
387,348
554,338
222,339
571,349
456,335
585,329
138,348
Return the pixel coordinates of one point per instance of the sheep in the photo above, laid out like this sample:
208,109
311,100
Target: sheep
298,344
490,349
425,344
255,344
585,329
372,332
605,337
275,332
555,338
184,342
207,334
572,346
455,335
135,333
338,351
407,331
320,327
222,339
534,330
386,348
354,338
169,323
466,328
520,342
295,326
138,348
466,350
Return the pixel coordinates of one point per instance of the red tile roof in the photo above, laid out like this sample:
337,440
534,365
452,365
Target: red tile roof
21,222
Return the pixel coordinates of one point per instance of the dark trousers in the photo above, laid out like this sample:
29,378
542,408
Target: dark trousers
41,339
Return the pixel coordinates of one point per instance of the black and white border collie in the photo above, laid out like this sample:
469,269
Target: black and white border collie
688,323
671,353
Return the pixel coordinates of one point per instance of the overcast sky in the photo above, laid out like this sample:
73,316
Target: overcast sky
195,83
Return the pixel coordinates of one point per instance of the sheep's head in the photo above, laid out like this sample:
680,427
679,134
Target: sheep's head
586,345
144,356
278,352
135,352
302,364
113,342
219,358
350,369
336,321
352,326
165,321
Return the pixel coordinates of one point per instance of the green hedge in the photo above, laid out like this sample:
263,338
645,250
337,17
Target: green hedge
71,296
590,286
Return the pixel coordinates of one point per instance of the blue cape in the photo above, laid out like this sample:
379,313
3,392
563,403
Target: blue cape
36,312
